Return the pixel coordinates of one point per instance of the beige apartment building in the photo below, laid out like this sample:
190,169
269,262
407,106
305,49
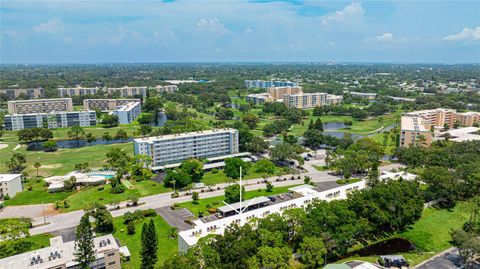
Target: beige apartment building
33,93
441,117
126,91
77,91
415,131
106,104
60,255
166,88
311,100
277,93
39,106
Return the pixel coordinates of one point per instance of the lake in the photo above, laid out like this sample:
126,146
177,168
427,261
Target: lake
69,144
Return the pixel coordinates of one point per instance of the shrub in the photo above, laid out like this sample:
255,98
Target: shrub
128,217
30,188
214,171
6,197
130,228
149,213
176,205
212,210
200,214
101,187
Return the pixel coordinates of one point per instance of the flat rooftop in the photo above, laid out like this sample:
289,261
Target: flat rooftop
8,177
40,100
62,251
414,124
246,203
152,139
128,106
464,134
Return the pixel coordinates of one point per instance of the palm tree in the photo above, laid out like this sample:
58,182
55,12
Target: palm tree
37,165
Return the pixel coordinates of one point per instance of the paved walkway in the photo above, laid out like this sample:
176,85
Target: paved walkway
71,219
447,259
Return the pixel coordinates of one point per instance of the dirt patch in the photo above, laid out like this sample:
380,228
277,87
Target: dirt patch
55,165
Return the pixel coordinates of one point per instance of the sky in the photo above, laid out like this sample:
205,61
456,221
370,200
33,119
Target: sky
239,31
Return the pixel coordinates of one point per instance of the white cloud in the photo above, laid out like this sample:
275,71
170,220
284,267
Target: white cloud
212,25
165,35
387,37
466,34
352,12
52,26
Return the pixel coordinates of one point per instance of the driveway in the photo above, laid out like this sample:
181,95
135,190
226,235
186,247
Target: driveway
448,259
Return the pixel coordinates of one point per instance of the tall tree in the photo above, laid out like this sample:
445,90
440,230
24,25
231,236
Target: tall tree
84,246
37,165
149,246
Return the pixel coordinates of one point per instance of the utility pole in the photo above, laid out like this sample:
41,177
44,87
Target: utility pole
44,219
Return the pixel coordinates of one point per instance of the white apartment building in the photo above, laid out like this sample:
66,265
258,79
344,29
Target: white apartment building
258,98
128,113
310,100
175,148
60,255
54,119
10,184
127,91
166,88
301,197
39,105
365,95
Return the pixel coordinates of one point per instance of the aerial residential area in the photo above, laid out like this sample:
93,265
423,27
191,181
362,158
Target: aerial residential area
128,140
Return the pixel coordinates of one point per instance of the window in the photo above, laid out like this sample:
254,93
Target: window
111,263
110,254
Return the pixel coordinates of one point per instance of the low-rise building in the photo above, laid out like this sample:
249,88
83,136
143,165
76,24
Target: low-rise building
54,119
364,95
10,184
174,148
311,100
415,131
128,113
442,117
461,134
77,91
60,255
299,197
33,93
39,105
264,84
106,105
258,98
166,88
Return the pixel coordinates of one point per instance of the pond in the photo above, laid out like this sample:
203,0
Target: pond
331,127
68,144
387,247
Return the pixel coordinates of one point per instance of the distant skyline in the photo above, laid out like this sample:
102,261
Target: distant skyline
239,31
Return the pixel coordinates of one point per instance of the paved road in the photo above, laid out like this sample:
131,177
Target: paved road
71,219
448,259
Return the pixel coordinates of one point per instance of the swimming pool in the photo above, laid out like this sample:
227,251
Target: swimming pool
107,176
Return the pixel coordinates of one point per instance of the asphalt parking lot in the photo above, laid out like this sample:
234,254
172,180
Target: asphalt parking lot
176,218
448,260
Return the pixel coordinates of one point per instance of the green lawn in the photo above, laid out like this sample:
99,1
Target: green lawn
220,177
348,181
321,168
31,243
204,204
431,234
62,161
167,247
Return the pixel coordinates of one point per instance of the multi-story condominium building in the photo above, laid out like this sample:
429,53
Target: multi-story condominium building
128,113
53,119
365,95
39,105
441,117
334,99
126,91
310,100
277,93
106,104
263,84
175,148
10,184
60,255
77,91
258,98
166,88
415,130
34,93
